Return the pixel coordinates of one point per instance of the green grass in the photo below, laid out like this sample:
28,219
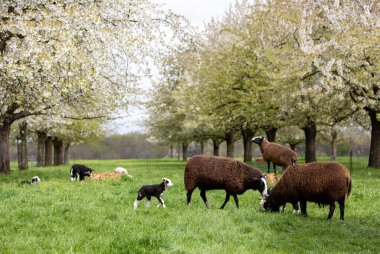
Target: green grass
59,216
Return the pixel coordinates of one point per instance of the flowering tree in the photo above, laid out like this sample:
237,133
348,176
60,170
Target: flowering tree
71,58
339,40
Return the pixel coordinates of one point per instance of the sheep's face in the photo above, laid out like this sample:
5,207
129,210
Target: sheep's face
35,180
266,204
167,182
258,140
263,187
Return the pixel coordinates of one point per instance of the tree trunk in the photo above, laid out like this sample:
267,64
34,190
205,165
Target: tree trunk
374,153
271,134
58,151
171,151
23,152
334,135
310,135
215,144
230,144
185,145
49,151
5,128
247,144
66,154
41,138
202,143
18,146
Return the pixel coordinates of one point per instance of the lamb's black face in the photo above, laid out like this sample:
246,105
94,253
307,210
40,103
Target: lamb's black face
258,140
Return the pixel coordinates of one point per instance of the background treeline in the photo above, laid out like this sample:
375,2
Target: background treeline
137,146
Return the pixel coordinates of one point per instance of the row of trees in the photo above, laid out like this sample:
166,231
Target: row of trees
274,65
62,62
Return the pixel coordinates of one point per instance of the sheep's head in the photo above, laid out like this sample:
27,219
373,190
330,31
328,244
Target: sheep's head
266,204
258,140
261,185
35,180
167,182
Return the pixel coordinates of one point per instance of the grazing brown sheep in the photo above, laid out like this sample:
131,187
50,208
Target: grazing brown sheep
319,182
213,172
275,153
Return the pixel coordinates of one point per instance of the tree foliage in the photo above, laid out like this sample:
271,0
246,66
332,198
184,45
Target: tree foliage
271,64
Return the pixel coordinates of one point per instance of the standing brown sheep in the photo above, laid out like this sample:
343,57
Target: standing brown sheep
213,172
319,182
275,153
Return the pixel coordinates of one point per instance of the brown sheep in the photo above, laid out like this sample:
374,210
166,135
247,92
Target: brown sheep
319,182
275,153
213,172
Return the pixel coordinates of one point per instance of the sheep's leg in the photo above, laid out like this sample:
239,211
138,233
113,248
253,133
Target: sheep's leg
268,163
274,168
203,195
147,201
189,196
236,200
341,208
332,209
303,207
226,200
140,196
161,201
296,208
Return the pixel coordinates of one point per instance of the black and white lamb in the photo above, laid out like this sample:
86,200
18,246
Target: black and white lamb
275,153
78,172
213,172
34,180
154,190
319,182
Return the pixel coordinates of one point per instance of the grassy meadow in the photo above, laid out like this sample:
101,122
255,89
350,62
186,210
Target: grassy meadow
60,216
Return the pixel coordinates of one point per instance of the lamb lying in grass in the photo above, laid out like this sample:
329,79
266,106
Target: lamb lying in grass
105,175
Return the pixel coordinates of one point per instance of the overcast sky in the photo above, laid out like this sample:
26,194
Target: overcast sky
198,12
